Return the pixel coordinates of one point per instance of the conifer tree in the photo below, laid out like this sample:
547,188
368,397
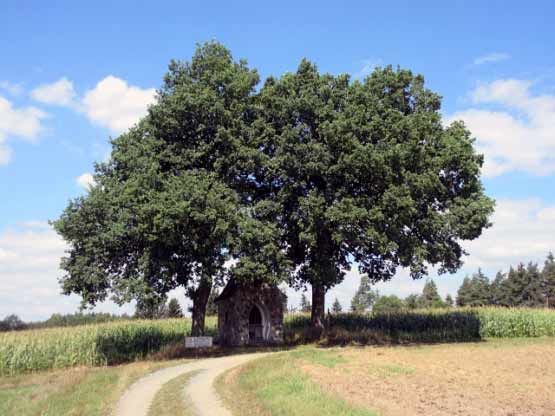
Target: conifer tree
548,281
430,296
449,301
336,307
464,294
480,293
499,290
524,286
364,297
174,309
305,305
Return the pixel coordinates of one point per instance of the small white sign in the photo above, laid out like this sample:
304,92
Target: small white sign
198,342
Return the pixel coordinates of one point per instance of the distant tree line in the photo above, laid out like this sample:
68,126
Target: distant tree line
366,299
526,285
143,310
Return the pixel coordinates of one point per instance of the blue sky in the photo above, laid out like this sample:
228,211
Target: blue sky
72,75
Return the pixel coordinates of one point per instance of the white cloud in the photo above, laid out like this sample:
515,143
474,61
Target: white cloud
492,57
24,123
116,105
29,271
518,137
523,230
11,88
34,224
85,181
368,66
20,122
60,93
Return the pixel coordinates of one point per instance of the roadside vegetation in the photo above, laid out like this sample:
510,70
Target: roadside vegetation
82,391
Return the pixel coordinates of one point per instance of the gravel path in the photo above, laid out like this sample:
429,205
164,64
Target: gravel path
200,390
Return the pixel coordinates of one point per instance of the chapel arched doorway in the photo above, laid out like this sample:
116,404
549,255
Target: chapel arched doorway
256,324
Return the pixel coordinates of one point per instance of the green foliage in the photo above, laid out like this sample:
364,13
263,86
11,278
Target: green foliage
367,171
151,307
475,291
174,309
449,302
548,280
59,320
12,323
388,304
499,294
413,301
430,296
336,306
309,173
305,305
525,286
174,200
515,322
364,297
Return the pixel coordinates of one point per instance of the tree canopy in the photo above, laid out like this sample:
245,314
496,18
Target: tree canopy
366,172
299,181
172,203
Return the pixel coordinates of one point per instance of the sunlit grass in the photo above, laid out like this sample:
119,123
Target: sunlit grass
76,392
274,386
171,400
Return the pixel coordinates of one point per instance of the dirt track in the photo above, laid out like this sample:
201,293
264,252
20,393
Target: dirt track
200,390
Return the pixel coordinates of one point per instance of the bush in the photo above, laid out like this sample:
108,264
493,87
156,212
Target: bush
388,304
12,323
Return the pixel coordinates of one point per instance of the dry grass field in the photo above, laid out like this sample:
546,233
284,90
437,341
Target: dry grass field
509,377
496,377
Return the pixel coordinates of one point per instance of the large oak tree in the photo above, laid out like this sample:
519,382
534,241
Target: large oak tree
172,204
366,173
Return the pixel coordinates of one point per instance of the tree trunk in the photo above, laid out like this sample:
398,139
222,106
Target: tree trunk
318,308
200,300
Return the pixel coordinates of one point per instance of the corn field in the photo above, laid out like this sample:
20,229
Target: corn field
87,345
124,341
432,325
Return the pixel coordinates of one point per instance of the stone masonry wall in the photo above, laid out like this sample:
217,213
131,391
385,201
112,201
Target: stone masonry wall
233,315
